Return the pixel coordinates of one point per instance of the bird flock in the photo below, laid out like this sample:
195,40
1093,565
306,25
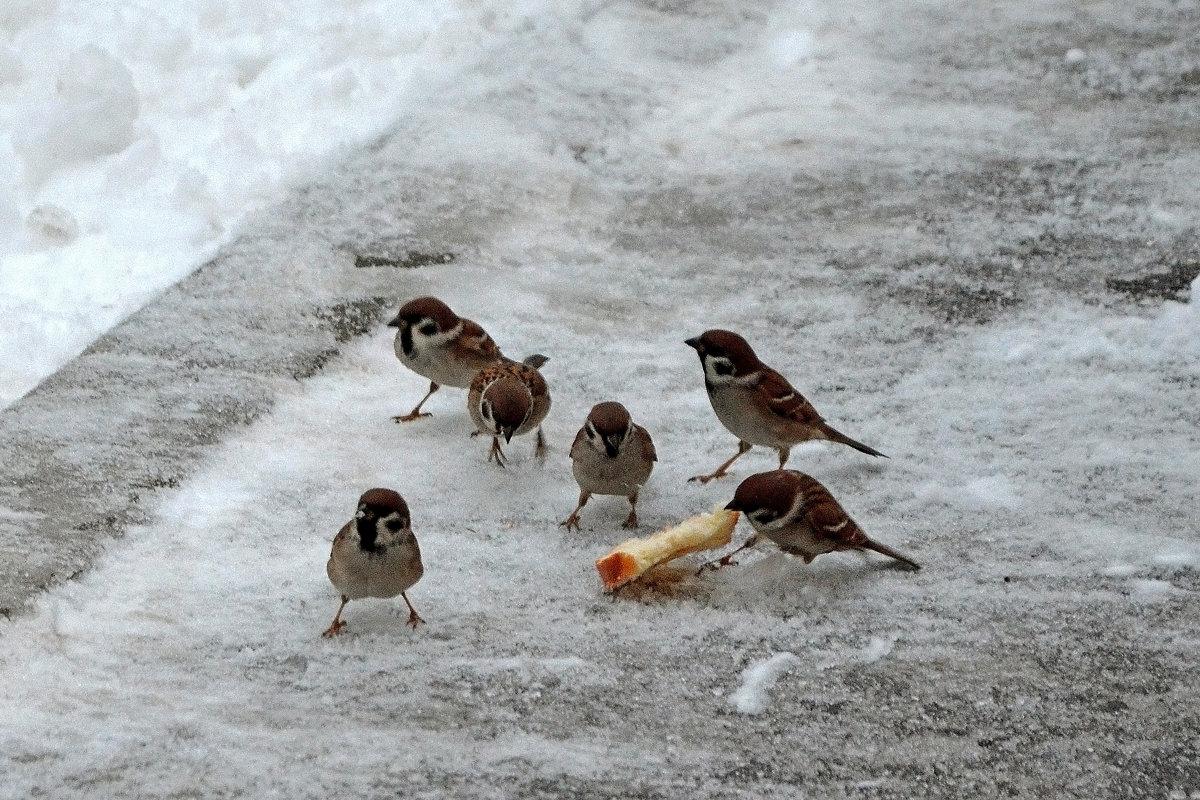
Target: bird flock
376,554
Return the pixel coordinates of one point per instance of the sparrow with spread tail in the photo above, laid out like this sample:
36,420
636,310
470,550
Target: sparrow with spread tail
508,400
438,344
797,513
610,455
375,555
756,403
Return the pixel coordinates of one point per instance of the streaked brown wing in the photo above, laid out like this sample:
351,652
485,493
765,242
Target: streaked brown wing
830,520
532,378
476,338
486,377
647,442
784,400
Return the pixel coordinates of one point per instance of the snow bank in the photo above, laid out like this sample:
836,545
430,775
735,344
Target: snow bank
142,134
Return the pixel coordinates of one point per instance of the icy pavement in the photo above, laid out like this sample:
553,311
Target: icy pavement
967,238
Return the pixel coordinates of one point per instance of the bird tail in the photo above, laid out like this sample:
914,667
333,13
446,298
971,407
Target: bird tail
834,435
536,360
890,553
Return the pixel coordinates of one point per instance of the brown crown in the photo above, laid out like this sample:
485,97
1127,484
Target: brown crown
428,308
609,418
384,501
719,342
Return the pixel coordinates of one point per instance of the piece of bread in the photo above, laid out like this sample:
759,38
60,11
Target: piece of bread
630,559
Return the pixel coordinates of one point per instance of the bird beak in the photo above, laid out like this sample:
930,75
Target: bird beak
694,343
611,447
508,434
396,323
732,505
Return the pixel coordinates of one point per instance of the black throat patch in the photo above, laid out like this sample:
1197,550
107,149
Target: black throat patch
367,534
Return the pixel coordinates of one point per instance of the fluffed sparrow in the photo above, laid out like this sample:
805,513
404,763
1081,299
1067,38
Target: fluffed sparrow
438,344
797,513
509,400
756,403
610,455
375,555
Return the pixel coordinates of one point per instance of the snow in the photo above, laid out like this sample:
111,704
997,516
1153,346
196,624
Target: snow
752,696
775,171
142,135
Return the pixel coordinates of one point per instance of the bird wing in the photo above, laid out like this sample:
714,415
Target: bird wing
580,441
783,399
647,442
343,535
532,378
828,519
475,338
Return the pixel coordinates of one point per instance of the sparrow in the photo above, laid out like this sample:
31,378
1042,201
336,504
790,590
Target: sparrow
756,403
508,400
438,344
610,455
797,513
375,555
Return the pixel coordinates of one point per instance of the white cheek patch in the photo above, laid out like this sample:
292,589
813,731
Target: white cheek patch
788,517
761,518
437,339
711,372
777,523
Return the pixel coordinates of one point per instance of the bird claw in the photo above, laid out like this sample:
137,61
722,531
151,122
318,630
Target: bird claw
410,416
702,479
334,629
571,522
716,564
414,619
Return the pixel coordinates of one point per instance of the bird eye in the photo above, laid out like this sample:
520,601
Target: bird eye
428,328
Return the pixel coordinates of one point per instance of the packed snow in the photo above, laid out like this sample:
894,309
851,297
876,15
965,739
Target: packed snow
1043,461
753,696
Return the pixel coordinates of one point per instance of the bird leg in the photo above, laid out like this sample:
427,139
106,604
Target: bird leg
573,520
336,626
414,618
631,521
540,448
743,448
727,559
416,412
496,453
